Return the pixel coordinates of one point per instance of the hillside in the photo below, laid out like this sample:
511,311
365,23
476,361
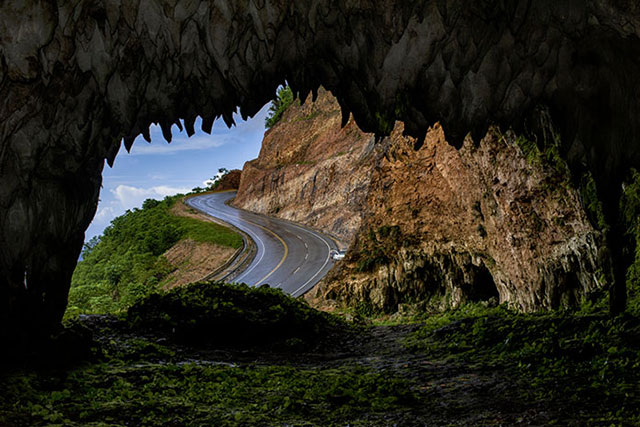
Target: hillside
159,246
425,221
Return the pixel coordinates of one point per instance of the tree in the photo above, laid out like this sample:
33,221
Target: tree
279,105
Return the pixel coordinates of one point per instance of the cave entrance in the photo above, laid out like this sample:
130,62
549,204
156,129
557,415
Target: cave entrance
143,238
483,287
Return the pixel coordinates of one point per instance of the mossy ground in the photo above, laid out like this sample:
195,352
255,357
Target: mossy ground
472,366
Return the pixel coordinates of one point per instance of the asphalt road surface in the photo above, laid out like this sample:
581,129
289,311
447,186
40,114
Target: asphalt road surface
289,256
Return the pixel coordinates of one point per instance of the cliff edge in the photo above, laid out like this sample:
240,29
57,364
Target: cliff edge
495,220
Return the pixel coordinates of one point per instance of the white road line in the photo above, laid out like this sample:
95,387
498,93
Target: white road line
296,270
317,236
248,231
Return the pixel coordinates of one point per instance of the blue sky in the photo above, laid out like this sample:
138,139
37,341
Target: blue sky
159,169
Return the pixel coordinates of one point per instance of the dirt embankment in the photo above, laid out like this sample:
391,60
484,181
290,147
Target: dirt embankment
193,260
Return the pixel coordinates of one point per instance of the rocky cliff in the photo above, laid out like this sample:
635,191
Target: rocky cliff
499,219
312,170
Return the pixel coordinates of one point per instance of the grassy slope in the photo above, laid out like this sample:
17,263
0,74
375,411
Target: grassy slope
126,263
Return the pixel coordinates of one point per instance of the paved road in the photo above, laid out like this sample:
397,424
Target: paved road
289,256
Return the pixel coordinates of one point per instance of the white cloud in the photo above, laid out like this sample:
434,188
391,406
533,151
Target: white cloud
159,146
105,214
130,197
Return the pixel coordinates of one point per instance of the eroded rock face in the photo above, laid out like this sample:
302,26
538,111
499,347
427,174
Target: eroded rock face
312,170
77,76
470,224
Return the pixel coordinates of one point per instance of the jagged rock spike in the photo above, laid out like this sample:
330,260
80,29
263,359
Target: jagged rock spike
345,116
166,130
228,120
111,154
128,142
303,96
179,124
207,124
146,135
188,124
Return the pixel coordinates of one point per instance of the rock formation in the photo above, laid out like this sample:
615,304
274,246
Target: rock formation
311,170
78,76
229,181
484,221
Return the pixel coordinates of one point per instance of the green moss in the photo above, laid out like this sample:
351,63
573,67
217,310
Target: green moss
582,362
630,211
192,394
591,203
385,123
312,115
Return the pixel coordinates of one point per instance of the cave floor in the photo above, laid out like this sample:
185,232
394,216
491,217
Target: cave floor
449,373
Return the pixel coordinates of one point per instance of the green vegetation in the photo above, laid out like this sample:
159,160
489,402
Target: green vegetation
125,264
202,394
312,115
148,381
585,364
591,204
232,315
546,154
279,105
630,211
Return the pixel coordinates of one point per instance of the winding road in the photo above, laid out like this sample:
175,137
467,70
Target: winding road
288,256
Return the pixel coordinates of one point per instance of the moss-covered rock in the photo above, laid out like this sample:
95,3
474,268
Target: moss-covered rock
222,315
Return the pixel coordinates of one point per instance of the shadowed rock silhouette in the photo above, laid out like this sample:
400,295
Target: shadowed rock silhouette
78,77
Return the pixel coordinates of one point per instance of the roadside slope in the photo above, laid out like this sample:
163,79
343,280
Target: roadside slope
160,246
311,170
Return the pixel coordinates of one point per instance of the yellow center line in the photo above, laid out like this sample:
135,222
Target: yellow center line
286,252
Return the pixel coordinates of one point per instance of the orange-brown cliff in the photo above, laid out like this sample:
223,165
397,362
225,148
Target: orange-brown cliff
485,221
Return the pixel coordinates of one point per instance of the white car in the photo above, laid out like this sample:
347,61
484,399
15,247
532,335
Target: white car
337,255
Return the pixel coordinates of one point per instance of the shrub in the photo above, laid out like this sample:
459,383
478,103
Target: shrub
222,315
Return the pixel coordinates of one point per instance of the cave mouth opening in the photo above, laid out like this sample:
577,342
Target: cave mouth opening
483,287
134,188
179,158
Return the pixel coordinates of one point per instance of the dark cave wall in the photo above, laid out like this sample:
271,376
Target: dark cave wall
78,76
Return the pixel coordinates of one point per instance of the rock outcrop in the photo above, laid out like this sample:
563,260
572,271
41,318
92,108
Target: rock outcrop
78,76
471,224
312,170
484,221
229,181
